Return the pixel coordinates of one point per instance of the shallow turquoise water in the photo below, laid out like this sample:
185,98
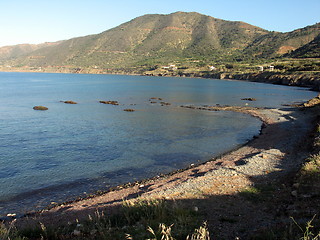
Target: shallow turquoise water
71,150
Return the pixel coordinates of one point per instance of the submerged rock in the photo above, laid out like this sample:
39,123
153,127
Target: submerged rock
128,110
42,108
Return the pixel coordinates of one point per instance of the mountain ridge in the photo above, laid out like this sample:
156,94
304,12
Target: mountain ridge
12,51
155,39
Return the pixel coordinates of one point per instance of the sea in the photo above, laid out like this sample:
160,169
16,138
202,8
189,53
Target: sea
74,150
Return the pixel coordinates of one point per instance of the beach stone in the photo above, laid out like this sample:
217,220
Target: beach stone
41,108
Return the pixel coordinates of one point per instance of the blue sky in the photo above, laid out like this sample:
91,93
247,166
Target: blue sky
37,21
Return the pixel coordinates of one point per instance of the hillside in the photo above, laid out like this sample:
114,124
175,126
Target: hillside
276,44
310,50
188,40
11,52
150,38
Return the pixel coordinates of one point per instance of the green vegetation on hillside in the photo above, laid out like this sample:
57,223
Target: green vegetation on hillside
310,50
189,40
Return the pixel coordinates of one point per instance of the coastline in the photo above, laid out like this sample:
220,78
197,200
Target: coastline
271,156
298,79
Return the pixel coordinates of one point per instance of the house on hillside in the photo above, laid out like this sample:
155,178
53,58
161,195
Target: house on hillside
212,68
171,67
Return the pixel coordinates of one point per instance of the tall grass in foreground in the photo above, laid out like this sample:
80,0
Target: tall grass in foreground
98,227
137,220
307,232
290,231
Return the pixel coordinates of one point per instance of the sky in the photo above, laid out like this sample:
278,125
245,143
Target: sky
38,21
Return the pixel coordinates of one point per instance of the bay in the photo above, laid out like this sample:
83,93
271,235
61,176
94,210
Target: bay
74,150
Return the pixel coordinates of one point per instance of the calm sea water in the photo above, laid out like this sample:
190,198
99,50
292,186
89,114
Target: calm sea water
73,150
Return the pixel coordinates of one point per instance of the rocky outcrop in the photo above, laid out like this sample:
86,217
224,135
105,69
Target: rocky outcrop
311,80
313,102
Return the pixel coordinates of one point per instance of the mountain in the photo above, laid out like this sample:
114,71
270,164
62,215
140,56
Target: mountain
153,37
9,52
156,39
310,50
277,44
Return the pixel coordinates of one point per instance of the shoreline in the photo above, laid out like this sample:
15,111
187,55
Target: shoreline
223,175
295,79
125,185
245,110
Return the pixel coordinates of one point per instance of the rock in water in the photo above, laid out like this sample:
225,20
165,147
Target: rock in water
70,102
249,99
42,108
110,102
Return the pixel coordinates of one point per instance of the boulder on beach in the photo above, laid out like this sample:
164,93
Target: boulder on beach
41,108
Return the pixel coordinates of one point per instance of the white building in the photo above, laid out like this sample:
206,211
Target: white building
212,68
